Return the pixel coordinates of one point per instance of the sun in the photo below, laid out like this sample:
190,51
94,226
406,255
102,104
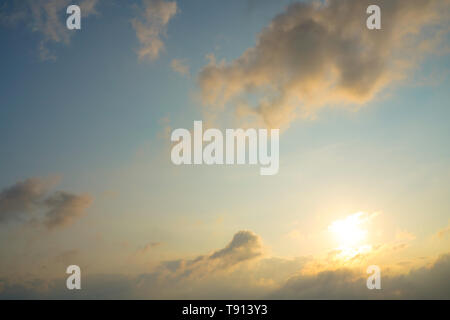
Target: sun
350,234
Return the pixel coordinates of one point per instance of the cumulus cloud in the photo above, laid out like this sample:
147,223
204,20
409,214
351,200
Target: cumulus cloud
28,201
245,246
180,66
46,17
151,26
321,53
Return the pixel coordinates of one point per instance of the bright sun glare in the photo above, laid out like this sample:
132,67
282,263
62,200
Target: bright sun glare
350,234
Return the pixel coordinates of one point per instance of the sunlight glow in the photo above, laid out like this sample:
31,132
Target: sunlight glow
350,234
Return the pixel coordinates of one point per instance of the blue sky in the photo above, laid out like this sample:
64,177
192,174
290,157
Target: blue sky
96,117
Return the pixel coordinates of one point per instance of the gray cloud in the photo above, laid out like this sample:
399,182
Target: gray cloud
64,208
22,198
318,54
244,246
422,283
28,201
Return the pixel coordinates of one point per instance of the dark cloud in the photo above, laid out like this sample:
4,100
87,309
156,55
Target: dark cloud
64,208
244,246
104,286
22,198
28,201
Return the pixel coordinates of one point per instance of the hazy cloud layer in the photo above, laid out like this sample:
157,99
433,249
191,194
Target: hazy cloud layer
321,53
422,283
46,17
443,233
28,201
271,278
151,26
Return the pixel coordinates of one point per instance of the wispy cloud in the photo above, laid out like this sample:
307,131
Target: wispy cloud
151,26
443,232
47,18
180,66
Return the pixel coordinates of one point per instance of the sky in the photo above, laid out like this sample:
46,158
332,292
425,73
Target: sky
86,176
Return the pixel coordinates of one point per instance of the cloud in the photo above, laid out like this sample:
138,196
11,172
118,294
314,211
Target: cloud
245,246
64,208
403,235
27,200
107,286
180,66
421,283
239,271
233,271
148,247
318,54
22,198
443,233
46,17
151,25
